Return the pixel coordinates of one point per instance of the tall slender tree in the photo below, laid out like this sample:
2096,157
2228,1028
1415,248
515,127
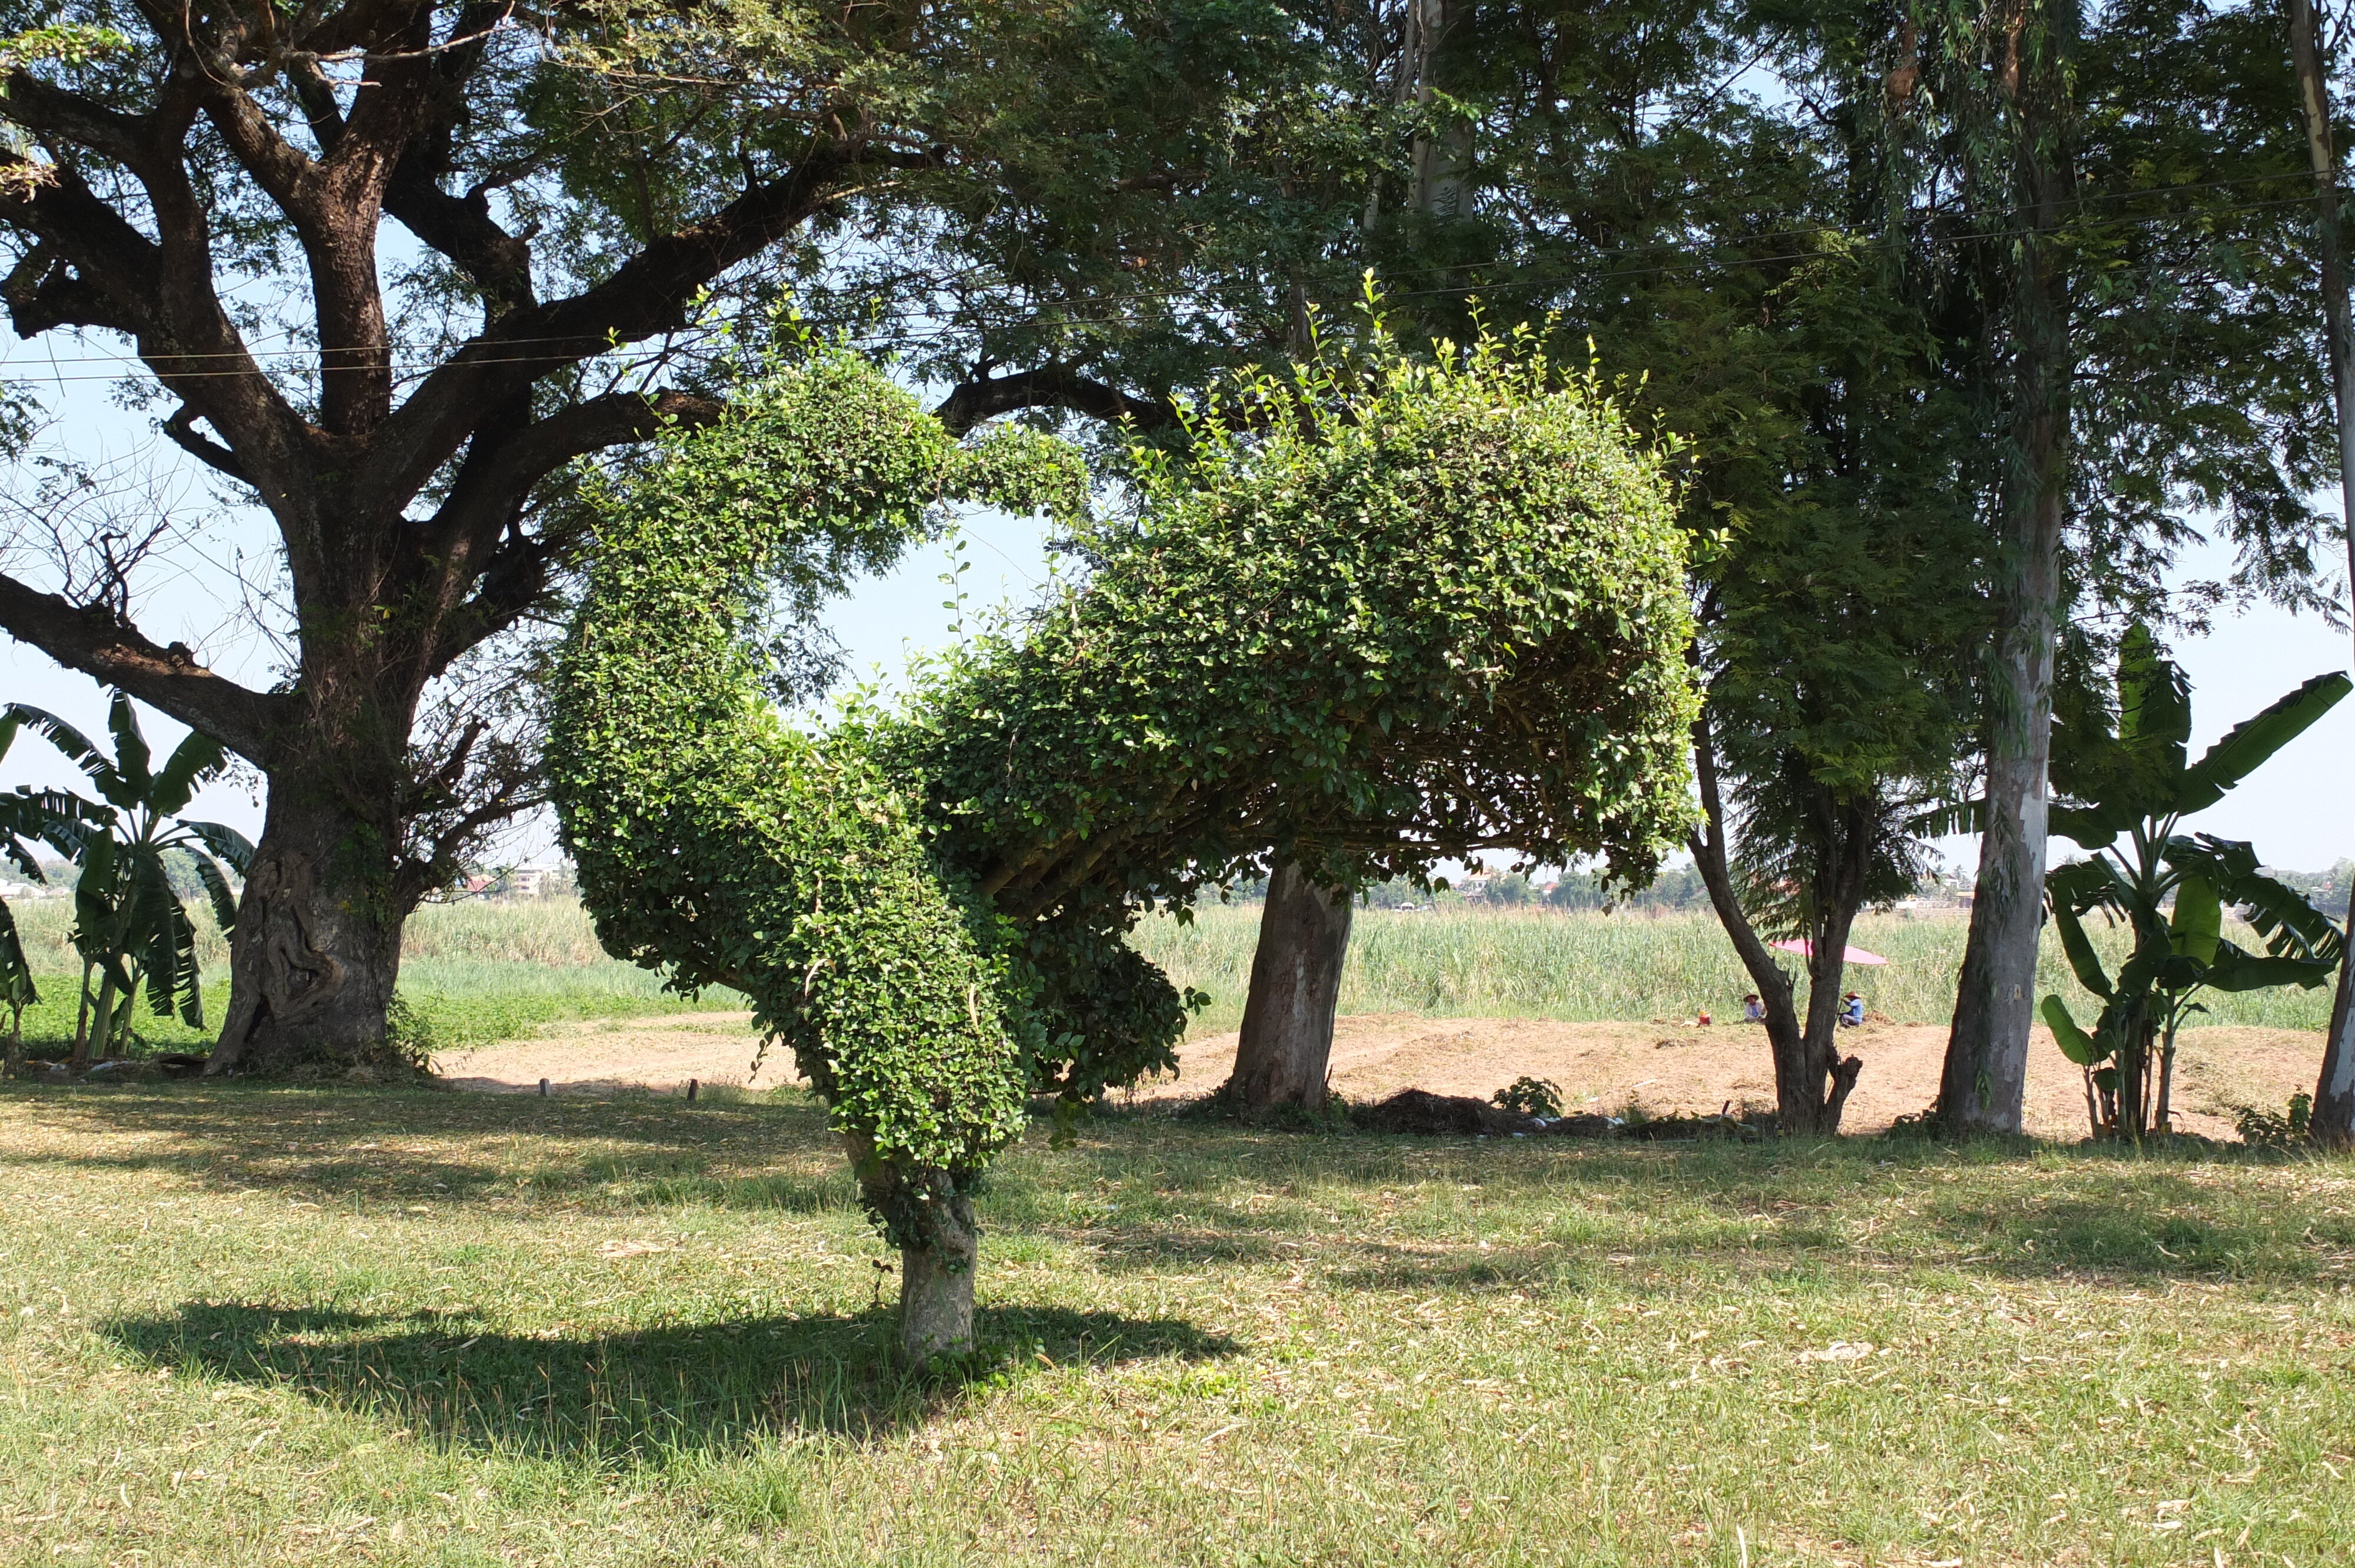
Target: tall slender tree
2334,1094
2014,73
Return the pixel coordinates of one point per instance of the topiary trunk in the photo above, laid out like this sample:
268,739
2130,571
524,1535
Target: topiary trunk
936,1287
1286,1044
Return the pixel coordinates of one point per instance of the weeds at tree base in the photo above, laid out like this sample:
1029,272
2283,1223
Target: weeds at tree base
2262,1130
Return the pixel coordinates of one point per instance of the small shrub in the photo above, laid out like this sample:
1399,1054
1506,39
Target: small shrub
410,1038
2267,1130
1530,1097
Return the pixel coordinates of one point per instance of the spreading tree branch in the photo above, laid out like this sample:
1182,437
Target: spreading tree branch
95,641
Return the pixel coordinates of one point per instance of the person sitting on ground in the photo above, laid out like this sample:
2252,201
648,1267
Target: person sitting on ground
1851,1010
1753,1010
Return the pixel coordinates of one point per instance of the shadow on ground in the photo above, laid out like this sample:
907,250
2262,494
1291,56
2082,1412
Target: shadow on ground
411,1145
659,1391
1142,1191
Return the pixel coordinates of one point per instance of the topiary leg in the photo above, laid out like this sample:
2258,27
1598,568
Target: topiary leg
936,1287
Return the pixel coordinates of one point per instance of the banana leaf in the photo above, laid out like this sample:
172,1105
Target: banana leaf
131,758
79,749
217,888
2074,1043
193,762
2198,924
16,988
2235,970
2249,743
2079,946
2087,827
227,842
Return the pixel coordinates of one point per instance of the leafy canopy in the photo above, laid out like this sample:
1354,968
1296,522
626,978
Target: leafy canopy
714,840
1388,612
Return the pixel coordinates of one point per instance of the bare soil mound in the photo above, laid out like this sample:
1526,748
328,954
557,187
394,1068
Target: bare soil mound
1669,1069
1673,1069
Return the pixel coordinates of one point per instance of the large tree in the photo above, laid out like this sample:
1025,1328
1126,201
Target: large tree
2129,186
574,194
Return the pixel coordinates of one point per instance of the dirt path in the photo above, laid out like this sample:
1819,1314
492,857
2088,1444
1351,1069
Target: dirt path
658,1054
1599,1066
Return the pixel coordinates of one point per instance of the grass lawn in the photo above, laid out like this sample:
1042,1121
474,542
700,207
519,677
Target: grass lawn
344,1325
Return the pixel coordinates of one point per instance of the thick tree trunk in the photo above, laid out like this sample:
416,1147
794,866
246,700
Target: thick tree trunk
1985,1078
1296,986
2333,1123
317,950
936,1287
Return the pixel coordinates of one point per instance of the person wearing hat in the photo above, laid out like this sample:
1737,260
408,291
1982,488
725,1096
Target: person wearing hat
1753,1010
1852,1013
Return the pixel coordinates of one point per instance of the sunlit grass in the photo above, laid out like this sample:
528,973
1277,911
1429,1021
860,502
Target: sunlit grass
472,972
478,971
305,1326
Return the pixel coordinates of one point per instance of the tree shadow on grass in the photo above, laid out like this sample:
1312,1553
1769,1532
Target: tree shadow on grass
406,1146
2128,1215
630,1396
1993,1211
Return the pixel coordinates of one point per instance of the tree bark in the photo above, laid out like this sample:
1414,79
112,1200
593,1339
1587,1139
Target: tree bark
317,951
1984,1082
2333,1124
1296,986
936,1287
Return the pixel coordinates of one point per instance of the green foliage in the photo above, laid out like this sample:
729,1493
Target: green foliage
1530,1097
715,842
1388,612
2134,781
130,927
1384,612
2292,1129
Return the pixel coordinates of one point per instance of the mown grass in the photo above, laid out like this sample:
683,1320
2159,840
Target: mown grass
1482,963
304,1326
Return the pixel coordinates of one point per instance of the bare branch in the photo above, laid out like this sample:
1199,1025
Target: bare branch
100,644
648,294
490,493
180,428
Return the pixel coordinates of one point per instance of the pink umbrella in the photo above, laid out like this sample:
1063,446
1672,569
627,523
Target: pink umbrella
1853,954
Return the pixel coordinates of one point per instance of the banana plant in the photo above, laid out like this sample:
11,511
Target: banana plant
129,928
26,816
2126,789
